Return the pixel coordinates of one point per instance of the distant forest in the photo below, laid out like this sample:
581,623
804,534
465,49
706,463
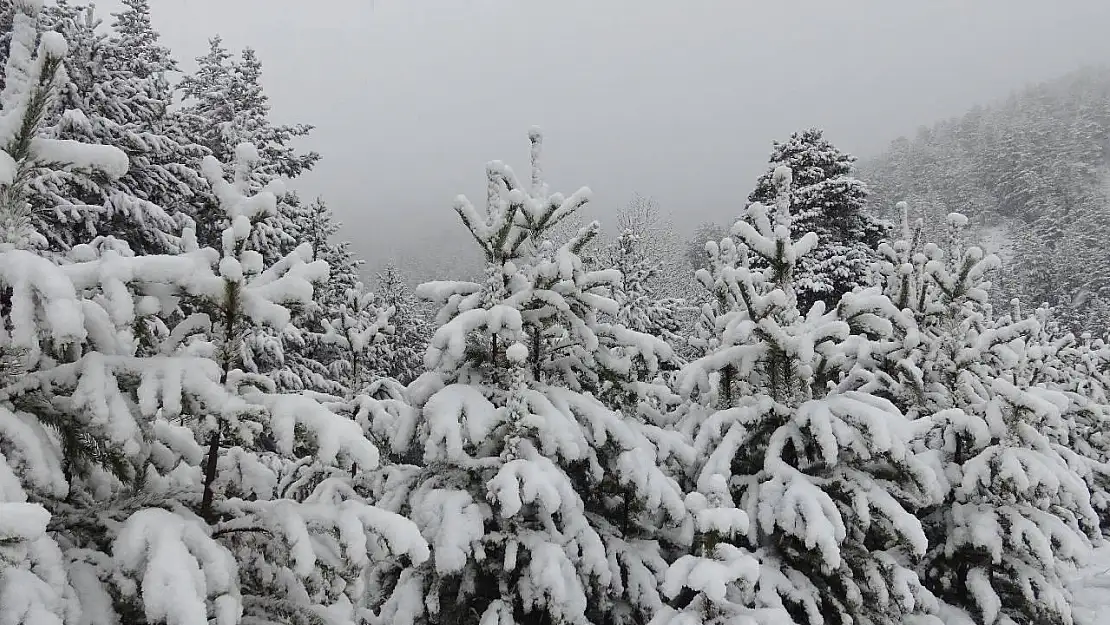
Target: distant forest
1031,172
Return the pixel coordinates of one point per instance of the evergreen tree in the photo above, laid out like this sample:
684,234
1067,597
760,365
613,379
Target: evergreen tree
1030,171
541,504
226,106
319,228
638,307
806,495
998,436
404,355
144,205
313,358
360,334
148,59
661,246
695,246
107,497
830,202
164,162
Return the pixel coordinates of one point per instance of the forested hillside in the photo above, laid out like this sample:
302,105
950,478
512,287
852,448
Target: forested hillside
208,418
1032,172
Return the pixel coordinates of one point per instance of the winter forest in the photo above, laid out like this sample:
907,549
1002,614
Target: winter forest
880,396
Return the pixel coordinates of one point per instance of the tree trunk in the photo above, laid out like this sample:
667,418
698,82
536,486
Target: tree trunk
210,474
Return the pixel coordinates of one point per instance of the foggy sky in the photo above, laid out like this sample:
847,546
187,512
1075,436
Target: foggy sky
678,100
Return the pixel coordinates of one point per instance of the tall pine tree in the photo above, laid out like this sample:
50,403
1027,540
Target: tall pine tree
827,200
542,505
805,496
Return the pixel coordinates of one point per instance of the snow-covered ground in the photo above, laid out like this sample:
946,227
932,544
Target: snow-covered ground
1091,590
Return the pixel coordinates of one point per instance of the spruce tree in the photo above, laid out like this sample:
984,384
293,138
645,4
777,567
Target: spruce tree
1015,515
541,504
404,355
827,200
106,101
823,482
359,338
107,495
639,306
226,106
312,354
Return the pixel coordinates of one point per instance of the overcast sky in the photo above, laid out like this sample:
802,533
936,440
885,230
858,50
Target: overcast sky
675,99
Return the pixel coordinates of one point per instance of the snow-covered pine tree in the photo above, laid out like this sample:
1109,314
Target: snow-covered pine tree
149,59
360,339
570,318
1075,368
164,161
226,106
695,245
105,101
805,496
319,228
639,307
404,353
661,244
302,490
541,505
639,387
101,472
263,349
314,357
829,201
1016,513
33,569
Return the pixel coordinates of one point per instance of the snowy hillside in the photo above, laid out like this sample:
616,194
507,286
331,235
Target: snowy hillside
1034,167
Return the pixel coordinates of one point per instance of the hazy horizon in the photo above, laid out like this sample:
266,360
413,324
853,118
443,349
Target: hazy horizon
676,101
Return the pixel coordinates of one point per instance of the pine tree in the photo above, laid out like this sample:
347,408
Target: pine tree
144,205
107,497
541,504
361,335
830,202
227,106
1030,168
695,246
312,357
661,245
639,308
164,162
404,353
998,434
148,59
807,495
319,228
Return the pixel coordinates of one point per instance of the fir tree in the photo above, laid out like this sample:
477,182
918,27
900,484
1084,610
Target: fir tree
541,504
226,106
824,482
311,353
361,333
404,355
107,497
638,307
146,204
661,247
998,436
695,246
828,201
